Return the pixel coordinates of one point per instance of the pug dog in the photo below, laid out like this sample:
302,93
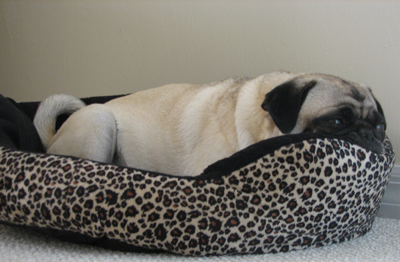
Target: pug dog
180,129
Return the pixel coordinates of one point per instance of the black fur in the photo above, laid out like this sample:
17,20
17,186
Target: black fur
284,102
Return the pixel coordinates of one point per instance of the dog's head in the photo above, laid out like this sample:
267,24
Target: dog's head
326,104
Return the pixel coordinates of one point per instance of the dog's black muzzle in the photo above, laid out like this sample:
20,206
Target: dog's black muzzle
366,137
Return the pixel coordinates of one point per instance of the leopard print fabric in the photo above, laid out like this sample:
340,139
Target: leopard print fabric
307,194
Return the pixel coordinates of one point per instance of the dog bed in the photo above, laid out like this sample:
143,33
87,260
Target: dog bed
287,193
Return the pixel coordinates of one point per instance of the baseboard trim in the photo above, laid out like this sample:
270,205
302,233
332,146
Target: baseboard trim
390,207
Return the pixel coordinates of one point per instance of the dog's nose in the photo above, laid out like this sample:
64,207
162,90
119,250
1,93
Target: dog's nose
367,134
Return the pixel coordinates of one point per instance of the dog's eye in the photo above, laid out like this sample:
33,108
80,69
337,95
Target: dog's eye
336,122
380,128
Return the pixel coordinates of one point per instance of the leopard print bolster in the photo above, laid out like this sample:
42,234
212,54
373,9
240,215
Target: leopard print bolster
310,193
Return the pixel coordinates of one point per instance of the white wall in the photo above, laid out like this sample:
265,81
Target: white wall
99,47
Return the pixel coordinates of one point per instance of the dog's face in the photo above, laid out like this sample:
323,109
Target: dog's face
329,105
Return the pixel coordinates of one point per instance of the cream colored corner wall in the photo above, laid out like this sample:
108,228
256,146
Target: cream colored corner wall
97,47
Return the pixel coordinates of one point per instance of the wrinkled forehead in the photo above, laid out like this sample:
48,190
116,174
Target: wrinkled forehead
332,92
354,93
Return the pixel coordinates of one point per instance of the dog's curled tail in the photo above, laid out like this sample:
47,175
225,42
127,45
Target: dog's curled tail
48,111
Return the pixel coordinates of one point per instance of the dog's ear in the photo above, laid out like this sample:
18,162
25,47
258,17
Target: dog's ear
284,102
378,105
380,110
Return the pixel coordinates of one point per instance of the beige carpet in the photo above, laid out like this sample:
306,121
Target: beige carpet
382,243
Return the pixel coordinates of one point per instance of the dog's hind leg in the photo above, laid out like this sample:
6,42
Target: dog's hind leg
89,133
